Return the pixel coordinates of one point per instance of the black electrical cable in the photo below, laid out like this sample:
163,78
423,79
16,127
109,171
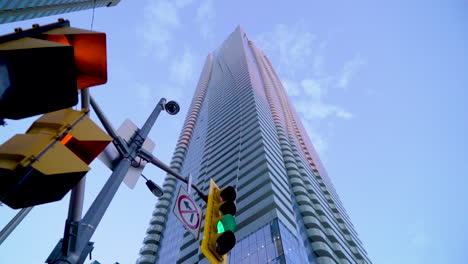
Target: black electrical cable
92,19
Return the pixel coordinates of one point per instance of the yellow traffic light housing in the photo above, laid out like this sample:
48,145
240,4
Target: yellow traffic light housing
220,224
42,165
41,68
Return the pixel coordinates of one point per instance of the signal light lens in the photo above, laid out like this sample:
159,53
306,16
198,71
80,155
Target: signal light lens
227,223
228,194
66,138
228,208
225,242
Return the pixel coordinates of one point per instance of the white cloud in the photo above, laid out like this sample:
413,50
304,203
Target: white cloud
293,44
300,58
161,19
349,69
181,76
310,96
144,94
318,62
165,12
183,3
312,88
419,240
205,18
344,114
182,69
318,139
172,92
318,110
292,88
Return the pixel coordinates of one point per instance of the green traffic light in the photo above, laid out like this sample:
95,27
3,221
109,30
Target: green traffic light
220,227
228,222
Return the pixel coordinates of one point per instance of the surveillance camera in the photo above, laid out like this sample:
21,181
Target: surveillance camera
172,107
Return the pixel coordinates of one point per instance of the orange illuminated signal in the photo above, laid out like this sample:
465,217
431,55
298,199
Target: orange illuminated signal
66,139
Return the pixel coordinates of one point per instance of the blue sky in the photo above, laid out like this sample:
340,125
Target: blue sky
380,87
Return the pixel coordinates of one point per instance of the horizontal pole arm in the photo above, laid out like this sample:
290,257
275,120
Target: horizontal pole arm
155,161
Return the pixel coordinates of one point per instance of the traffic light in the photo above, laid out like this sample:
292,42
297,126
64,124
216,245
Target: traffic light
220,224
89,50
42,165
41,68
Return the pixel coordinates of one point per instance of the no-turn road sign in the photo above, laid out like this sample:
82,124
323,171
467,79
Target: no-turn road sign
188,212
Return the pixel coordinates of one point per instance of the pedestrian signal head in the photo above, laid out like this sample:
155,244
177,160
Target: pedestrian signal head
42,165
41,68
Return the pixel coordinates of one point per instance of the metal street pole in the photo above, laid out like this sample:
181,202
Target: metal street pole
79,246
6,231
76,198
75,208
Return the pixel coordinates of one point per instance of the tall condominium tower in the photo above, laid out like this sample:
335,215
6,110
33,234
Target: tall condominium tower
242,130
17,10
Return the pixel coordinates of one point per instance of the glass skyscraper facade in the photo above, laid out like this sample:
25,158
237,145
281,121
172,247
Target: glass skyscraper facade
241,130
17,10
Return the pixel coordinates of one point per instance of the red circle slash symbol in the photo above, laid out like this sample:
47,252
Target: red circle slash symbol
188,212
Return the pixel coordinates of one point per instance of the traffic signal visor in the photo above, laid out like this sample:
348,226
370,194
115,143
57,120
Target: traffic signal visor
228,222
90,53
